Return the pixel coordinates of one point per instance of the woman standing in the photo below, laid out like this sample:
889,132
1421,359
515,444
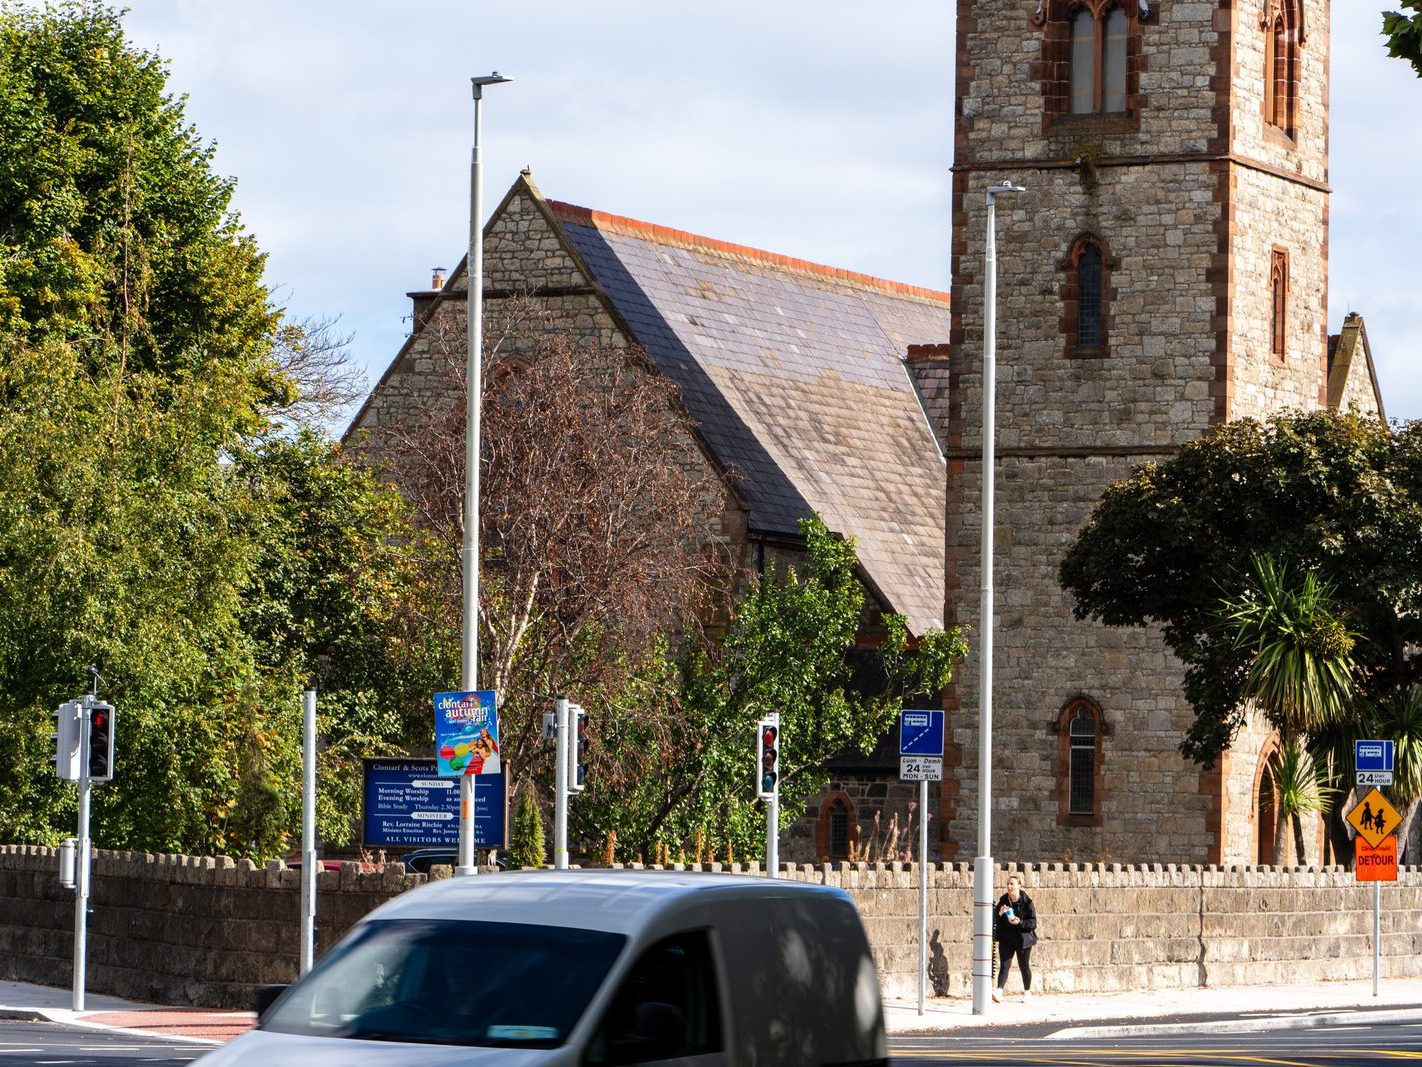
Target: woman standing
1014,928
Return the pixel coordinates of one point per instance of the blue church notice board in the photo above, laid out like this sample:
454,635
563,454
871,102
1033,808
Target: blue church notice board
408,805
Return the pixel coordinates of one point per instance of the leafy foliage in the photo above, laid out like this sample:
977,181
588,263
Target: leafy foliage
1335,496
1299,653
1404,33
674,759
526,844
151,520
117,233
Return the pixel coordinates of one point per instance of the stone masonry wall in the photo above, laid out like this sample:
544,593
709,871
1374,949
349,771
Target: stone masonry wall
206,932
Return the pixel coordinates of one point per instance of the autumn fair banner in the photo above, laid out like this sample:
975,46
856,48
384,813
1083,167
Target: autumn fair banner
467,733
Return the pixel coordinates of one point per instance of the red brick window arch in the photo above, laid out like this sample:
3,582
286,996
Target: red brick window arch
837,829
1282,37
1086,297
1081,728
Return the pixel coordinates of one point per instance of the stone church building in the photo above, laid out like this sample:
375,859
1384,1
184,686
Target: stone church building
1164,271
807,386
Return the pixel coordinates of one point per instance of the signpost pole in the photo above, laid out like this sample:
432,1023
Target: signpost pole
1377,932
309,867
922,892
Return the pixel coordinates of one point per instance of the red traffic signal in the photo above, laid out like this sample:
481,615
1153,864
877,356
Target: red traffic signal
768,759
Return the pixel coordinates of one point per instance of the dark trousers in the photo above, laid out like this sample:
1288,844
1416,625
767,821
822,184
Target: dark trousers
1024,964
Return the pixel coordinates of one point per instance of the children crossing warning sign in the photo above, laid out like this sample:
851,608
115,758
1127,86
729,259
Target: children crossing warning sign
1374,818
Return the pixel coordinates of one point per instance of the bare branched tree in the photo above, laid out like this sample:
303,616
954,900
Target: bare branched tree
599,512
315,357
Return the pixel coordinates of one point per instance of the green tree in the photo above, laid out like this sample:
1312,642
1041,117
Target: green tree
526,844
1334,496
1404,33
152,519
674,753
1299,672
118,235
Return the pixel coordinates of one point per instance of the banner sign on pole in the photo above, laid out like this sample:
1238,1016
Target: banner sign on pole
467,733
407,804
1375,864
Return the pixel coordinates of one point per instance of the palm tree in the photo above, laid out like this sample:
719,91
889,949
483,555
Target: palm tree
1300,655
1300,788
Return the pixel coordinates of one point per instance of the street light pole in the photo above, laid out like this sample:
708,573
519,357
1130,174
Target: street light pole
983,865
473,378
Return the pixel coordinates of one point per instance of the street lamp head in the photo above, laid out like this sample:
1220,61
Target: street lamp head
487,79
1005,187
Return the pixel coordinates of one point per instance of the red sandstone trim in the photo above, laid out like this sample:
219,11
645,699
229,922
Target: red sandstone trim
571,214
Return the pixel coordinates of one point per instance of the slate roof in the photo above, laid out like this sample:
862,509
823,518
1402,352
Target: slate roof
796,375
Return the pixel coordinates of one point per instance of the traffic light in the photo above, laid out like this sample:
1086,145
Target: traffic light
767,758
66,741
577,779
101,741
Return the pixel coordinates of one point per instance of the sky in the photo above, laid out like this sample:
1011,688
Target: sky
817,130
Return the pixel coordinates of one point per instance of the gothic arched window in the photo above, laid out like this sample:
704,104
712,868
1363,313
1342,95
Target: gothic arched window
1282,38
1086,294
837,828
1081,727
1278,303
1099,33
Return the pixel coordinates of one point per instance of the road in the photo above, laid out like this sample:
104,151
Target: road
52,1044
1319,1046
42,1044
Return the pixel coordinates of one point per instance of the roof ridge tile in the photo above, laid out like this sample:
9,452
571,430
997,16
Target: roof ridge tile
621,224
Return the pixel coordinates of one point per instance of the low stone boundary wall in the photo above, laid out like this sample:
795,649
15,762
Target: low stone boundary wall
206,932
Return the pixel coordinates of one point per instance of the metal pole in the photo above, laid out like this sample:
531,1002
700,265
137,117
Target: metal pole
473,378
560,788
983,864
309,868
1377,933
772,835
922,892
81,867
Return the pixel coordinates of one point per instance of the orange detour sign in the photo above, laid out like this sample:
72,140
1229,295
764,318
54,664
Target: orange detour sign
1375,864
1374,819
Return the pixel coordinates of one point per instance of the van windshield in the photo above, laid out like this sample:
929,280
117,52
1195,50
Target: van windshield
451,982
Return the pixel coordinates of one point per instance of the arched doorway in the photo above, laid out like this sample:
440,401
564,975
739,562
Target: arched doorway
1266,812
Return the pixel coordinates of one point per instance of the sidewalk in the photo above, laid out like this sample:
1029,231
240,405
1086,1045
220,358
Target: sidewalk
1075,1014
21,1000
1085,1014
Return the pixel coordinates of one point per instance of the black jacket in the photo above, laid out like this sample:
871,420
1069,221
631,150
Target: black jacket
1022,934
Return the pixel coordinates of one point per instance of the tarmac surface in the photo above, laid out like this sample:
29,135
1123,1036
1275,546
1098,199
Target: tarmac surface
1063,1015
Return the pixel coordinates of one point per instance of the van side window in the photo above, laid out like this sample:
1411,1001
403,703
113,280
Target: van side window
667,1007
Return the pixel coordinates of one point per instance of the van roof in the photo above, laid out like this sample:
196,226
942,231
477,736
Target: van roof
615,901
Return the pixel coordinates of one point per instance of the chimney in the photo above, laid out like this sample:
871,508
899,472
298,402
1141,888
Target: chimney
423,300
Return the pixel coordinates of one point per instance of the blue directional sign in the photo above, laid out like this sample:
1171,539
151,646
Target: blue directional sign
921,733
407,803
1372,756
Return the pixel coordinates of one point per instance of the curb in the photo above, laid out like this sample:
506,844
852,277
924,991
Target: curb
1329,1017
27,1015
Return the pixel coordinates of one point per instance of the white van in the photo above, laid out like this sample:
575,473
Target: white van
586,968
